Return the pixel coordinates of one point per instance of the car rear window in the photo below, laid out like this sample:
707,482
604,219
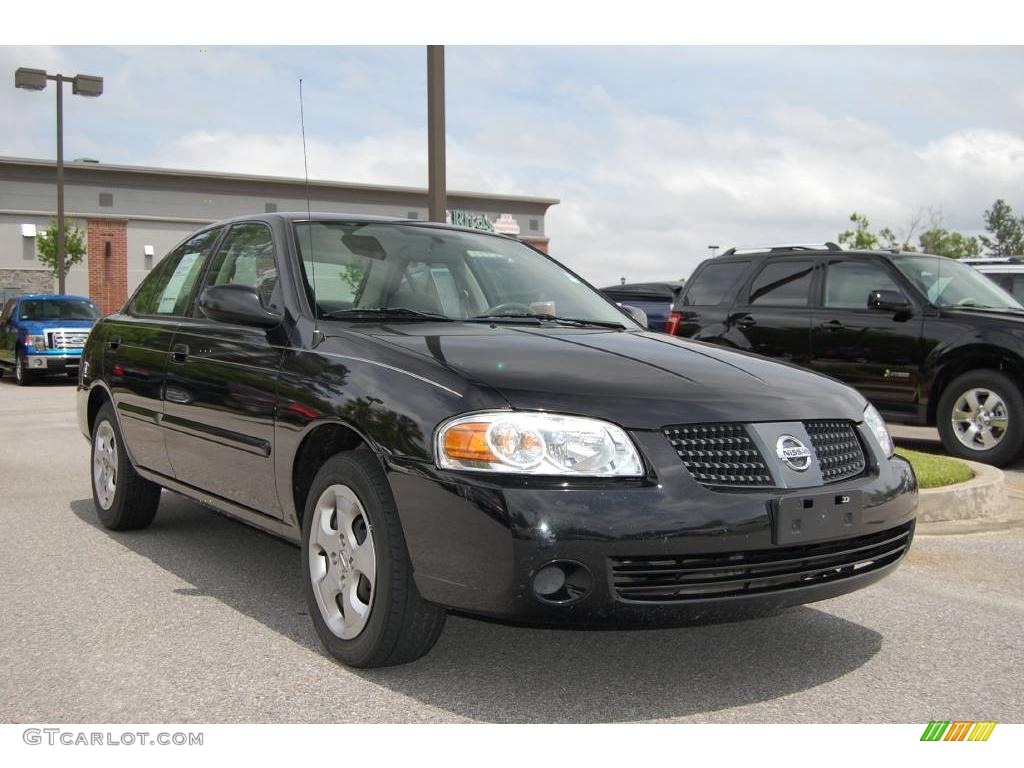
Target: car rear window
713,283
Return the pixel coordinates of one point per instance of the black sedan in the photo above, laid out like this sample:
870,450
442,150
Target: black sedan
446,419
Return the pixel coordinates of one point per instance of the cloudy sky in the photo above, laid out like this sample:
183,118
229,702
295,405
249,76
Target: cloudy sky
655,153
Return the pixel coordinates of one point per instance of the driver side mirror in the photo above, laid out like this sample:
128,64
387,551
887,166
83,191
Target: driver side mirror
238,304
888,301
635,312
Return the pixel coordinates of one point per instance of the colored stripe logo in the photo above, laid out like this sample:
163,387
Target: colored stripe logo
958,730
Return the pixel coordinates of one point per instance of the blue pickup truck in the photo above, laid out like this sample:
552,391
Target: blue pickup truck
42,335
655,299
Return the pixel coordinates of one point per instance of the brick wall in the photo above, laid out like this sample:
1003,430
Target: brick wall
540,243
108,275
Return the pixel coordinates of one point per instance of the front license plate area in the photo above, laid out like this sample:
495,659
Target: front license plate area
805,518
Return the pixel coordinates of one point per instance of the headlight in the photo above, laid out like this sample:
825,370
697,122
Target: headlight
877,426
536,444
35,341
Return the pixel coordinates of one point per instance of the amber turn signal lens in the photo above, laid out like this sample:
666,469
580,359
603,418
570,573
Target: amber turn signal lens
468,442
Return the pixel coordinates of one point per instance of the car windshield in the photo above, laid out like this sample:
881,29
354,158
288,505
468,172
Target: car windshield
58,309
416,273
948,283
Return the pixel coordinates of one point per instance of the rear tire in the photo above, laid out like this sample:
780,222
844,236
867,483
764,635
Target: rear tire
358,579
981,417
124,499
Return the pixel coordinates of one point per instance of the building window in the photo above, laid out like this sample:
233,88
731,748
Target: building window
270,208
414,214
534,225
106,199
148,261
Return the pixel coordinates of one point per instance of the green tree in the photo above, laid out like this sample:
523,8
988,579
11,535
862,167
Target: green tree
954,245
861,237
74,247
1007,230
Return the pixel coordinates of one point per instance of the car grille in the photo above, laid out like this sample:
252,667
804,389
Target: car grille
67,339
840,454
690,577
720,455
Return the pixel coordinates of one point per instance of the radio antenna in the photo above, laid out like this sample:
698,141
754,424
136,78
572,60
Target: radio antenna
309,222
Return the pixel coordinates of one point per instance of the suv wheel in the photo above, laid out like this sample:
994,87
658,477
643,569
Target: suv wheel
981,417
124,499
358,579
22,376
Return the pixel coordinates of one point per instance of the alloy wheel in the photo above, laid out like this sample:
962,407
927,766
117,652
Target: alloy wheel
342,561
980,419
104,464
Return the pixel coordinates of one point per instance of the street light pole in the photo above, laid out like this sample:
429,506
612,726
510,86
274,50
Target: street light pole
81,85
60,182
436,183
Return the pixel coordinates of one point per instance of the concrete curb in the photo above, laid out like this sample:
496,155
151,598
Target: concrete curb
982,496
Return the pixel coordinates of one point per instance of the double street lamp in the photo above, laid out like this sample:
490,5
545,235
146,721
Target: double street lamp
81,85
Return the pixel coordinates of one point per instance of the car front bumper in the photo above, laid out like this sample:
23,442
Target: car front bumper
55,363
477,543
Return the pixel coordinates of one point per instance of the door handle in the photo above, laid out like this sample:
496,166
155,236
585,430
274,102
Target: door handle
113,344
745,322
179,353
833,325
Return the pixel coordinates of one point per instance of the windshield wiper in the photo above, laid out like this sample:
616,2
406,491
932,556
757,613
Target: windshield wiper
538,318
402,313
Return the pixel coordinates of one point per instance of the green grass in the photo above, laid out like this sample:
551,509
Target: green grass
935,471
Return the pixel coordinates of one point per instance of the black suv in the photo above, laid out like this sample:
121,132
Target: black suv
443,418
926,339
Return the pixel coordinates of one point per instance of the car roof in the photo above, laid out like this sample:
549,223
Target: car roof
645,289
827,251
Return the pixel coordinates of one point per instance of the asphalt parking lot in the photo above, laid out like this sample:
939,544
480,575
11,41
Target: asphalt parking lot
201,619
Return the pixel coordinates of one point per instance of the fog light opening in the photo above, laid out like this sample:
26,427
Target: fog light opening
562,581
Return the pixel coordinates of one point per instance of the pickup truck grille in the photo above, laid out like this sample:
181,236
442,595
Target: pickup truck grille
723,456
667,578
62,338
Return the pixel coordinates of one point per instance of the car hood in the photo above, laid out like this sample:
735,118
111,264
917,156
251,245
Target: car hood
40,326
640,380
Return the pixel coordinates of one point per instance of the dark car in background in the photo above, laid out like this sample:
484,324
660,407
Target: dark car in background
446,419
928,340
42,335
655,300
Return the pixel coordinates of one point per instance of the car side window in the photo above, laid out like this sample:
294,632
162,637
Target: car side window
849,283
169,288
713,283
783,284
246,257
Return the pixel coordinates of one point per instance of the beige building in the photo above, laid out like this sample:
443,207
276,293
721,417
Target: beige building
134,215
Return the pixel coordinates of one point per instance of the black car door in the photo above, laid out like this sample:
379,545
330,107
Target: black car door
773,316
221,385
704,304
878,352
136,344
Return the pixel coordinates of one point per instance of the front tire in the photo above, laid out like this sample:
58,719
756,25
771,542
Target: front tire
124,499
22,376
362,600
981,417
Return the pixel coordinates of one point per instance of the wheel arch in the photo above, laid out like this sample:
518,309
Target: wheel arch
322,441
98,395
965,359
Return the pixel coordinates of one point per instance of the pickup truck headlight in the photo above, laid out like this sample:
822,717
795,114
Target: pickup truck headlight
35,341
536,444
877,426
